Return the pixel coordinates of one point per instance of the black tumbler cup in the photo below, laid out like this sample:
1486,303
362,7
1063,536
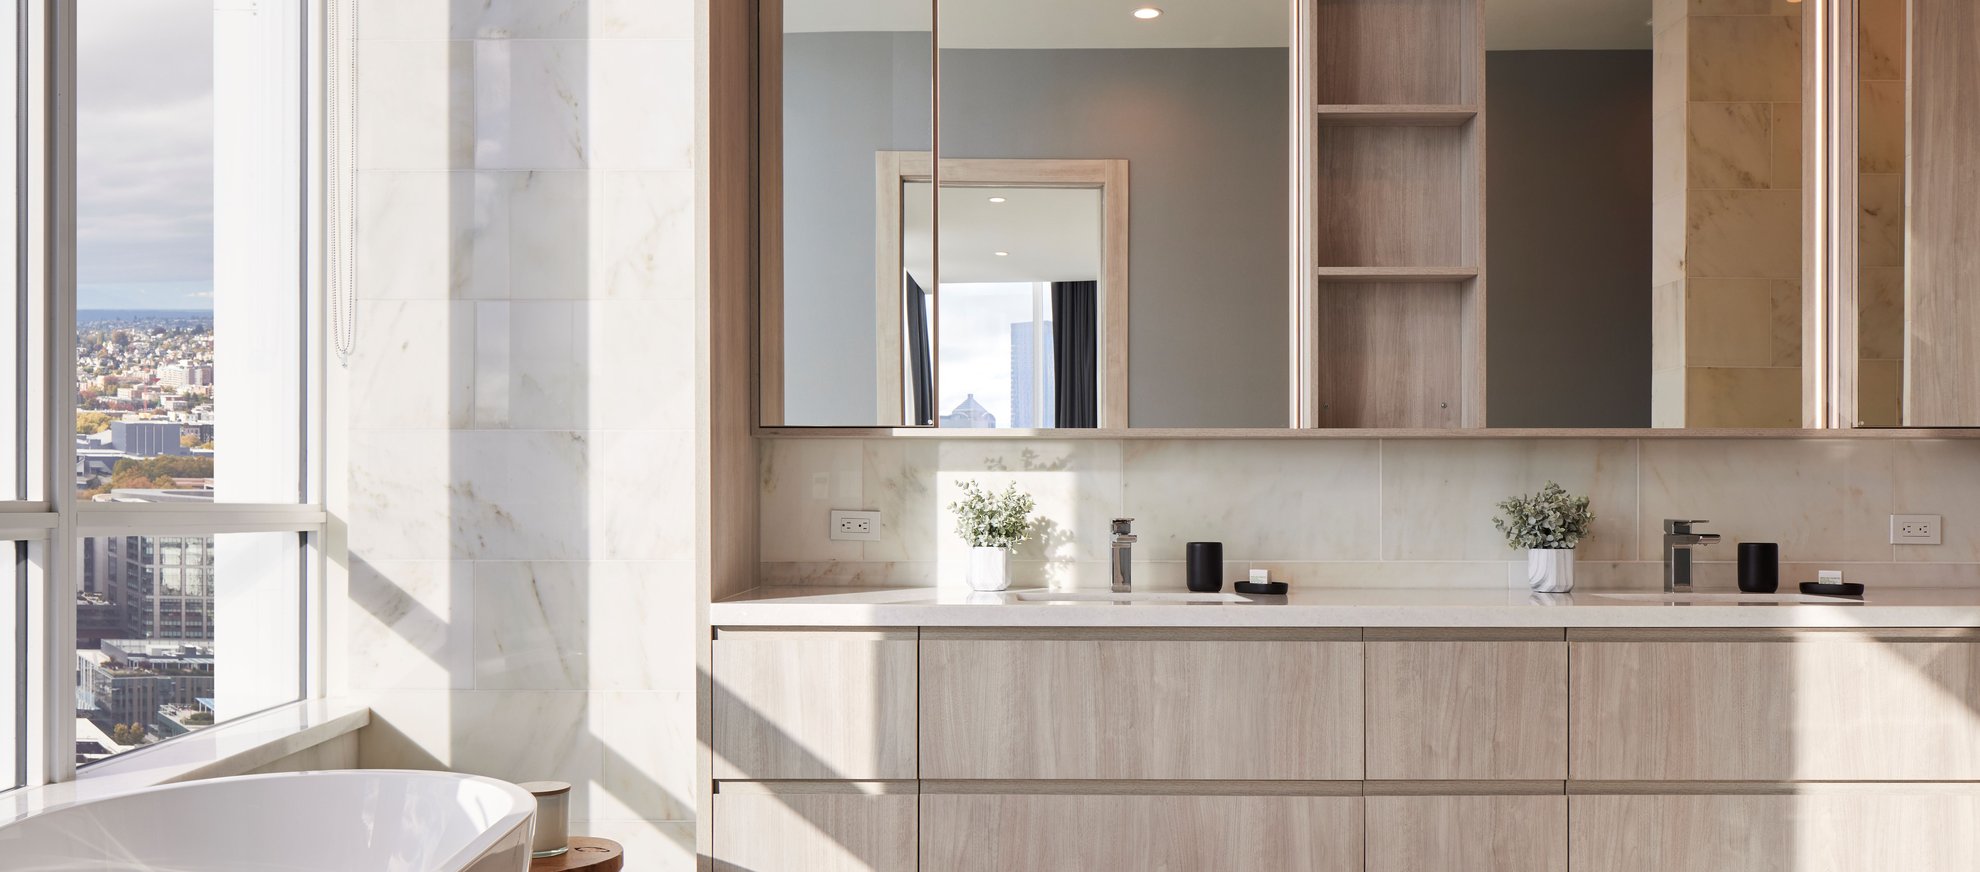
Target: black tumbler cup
1206,566
1759,567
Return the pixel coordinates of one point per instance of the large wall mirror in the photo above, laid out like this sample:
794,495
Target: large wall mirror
1136,213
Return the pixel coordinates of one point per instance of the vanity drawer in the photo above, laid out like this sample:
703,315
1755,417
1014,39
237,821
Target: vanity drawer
1759,705
1113,704
1004,832
823,704
1913,828
1472,704
1471,833
821,827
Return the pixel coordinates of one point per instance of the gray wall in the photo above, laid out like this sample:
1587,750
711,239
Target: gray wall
1204,132
846,96
1568,229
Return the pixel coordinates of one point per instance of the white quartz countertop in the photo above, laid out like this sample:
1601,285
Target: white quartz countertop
1336,607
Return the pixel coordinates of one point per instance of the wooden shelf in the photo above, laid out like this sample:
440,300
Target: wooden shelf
1426,115
1418,274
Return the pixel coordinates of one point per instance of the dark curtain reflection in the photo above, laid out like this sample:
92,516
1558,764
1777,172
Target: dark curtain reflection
1076,353
920,363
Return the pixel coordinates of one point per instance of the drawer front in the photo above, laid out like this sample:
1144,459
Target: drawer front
1766,711
1023,833
816,832
825,705
1467,710
1868,830
1470,833
1115,709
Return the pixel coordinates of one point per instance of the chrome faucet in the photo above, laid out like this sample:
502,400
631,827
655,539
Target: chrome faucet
1122,540
1679,539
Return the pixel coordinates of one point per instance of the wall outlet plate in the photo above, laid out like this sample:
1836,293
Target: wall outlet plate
855,526
1917,530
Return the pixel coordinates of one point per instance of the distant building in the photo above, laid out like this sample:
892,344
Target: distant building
186,375
146,438
140,681
1023,358
970,414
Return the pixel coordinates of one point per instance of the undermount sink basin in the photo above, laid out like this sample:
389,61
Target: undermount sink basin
1726,598
1101,596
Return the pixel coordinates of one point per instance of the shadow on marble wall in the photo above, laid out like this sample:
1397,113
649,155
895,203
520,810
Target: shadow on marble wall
1368,513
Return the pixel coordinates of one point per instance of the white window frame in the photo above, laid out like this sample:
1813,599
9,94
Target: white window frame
55,524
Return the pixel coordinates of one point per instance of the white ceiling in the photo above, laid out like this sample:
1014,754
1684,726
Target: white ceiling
1529,25
1057,23
1510,25
1052,234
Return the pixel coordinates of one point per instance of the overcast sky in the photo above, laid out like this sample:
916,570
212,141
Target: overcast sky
144,154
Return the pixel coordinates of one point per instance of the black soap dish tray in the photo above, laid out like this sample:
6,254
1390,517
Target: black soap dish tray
1261,588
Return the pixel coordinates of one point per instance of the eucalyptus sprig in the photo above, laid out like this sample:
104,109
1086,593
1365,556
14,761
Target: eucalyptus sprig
987,520
1552,518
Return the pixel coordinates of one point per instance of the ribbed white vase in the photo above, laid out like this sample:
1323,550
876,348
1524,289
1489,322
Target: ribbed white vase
1550,570
989,568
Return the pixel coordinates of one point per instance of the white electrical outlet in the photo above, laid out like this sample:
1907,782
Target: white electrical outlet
1917,530
849,526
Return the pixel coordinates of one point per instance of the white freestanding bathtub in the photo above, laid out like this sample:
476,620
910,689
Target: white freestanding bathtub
345,821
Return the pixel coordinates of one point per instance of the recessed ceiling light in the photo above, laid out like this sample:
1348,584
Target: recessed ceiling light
1147,13
1002,253
996,199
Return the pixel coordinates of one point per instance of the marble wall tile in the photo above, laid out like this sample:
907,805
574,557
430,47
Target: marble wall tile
1263,500
1667,397
1730,145
848,574
1386,574
1076,483
1668,252
647,746
413,365
402,495
803,481
1937,477
533,238
522,494
1439,497
1670,80
1787,145
410,624
639,89
511,735
1743,397
641,504
1787,312
1881,127
419,229
1880,312
1880,226
639,368
1880,393
525,19
645,235
541,367
899,480
641,614
1729,322
415,105
1667,314
530,625
1740,57
1820,499
494,364
532,104
1744,234
1881,47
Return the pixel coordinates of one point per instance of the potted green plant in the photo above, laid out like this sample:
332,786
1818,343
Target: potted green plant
1548,525
992,523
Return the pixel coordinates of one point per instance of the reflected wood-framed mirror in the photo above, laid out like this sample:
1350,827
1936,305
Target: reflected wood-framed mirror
1668,238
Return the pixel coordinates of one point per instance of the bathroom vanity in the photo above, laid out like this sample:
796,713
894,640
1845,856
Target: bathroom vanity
1347,730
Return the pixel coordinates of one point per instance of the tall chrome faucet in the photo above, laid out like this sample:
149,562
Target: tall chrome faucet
1122,540
1679,539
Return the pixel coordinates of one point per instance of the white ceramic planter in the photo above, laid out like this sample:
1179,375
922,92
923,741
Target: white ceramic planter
1550,570
989,568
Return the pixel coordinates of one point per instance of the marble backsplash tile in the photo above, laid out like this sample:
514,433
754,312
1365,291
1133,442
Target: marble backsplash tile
1354,513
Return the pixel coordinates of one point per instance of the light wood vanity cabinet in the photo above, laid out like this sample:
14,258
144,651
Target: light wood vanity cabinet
1110,704
987,832
817,704
1821,828
1467,833
1776,705
1470,704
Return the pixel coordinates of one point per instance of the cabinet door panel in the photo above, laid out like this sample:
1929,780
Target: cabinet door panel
826,705
1467,833
1885,831
1775,711
1113,709
1008,833
1467,710
814,832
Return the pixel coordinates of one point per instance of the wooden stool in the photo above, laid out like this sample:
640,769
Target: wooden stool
587,854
